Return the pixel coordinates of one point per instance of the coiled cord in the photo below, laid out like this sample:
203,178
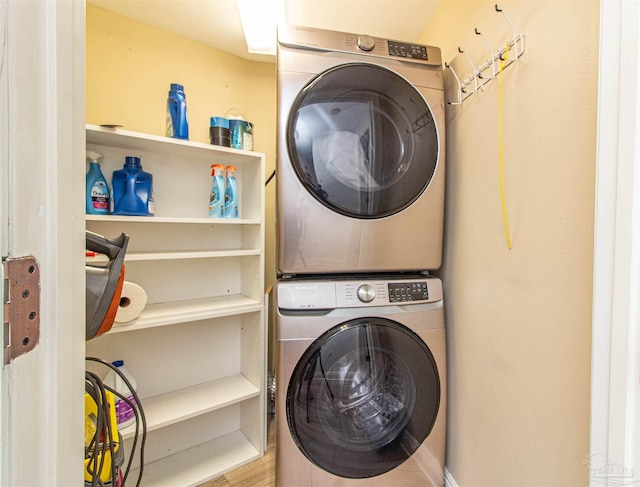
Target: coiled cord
96,388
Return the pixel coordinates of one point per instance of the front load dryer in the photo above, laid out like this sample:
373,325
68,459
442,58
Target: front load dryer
360,154
360,382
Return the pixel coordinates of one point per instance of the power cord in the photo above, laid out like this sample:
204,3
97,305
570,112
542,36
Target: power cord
96,450
271,176
96,388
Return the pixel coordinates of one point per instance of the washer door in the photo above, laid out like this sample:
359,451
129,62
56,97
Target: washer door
363,397
362,140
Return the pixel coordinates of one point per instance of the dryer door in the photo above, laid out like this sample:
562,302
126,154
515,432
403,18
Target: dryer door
363,397
362,140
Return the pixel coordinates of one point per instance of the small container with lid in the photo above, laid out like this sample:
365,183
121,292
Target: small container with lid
219,131
241,131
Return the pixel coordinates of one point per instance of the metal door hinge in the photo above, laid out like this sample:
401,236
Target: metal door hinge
21,306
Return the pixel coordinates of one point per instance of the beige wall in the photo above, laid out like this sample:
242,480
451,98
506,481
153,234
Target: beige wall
130,66
519,320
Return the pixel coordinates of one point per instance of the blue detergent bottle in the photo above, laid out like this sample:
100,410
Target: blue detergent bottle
231,194
216,202
98,196
132,189
177,118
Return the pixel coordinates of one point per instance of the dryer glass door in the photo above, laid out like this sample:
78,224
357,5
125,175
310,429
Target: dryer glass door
363,397
362,140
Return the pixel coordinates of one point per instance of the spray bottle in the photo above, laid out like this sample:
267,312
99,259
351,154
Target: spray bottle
98,195
216,201
231,194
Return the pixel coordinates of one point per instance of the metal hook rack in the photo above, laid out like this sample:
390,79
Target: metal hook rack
510,53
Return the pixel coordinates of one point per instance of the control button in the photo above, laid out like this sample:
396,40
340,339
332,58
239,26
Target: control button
366,293
366,43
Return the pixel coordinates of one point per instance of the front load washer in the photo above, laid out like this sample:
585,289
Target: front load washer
360,154
360,383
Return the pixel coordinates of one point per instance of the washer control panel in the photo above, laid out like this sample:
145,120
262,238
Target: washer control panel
381,293
331,294
402,292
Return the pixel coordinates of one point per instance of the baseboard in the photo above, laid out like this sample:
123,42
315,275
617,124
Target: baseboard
449,481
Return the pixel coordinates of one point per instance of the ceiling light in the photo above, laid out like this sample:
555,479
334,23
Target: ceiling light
260,19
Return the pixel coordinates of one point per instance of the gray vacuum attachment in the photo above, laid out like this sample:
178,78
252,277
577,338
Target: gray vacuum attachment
104,282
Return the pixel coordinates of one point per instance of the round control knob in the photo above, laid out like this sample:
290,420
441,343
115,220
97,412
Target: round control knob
366,293
366,43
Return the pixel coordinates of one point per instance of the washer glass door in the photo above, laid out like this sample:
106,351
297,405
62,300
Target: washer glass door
363,397
362,140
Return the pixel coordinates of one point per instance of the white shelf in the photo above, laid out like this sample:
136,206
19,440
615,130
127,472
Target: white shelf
187,403
205,275
190,254
176,312
181,176
199,464
168,219
137,141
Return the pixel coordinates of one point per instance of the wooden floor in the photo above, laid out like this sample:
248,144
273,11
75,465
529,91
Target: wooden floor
259,473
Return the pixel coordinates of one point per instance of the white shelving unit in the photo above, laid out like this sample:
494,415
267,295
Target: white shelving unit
197,350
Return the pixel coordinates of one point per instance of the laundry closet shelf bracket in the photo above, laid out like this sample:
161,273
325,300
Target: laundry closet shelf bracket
497,61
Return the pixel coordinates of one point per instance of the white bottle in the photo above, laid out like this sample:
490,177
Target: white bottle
124,413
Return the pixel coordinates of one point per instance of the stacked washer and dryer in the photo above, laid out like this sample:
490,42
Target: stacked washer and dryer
361,347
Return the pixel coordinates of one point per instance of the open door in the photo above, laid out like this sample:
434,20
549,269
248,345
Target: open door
614,457
41,213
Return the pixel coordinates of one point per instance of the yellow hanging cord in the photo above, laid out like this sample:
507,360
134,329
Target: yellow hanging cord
504,207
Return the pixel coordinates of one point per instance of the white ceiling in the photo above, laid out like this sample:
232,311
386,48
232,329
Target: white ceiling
216,22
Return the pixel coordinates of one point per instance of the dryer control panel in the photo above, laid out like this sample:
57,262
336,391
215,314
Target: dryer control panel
412,51
327,40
